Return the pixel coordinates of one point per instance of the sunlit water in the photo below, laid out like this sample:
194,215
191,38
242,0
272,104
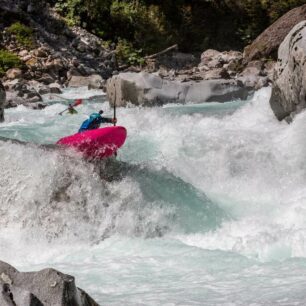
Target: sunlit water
209,207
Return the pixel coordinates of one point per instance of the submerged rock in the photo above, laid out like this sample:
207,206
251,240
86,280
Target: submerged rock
289,84
45,287
150,89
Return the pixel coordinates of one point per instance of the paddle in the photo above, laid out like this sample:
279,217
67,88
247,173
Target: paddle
76,103
115,113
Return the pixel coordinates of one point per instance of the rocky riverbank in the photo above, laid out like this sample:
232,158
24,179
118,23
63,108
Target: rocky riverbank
52,54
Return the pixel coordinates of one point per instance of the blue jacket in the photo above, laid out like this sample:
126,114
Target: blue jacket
93,122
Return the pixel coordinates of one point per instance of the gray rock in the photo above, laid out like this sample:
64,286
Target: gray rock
12,296
46,79
13,73
149,89
45,287
215,91
217,73
13,100
289,83
33,99
55,88
92,82
2,102
43,90
208,55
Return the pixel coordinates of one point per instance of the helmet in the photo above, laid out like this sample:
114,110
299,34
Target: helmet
101,112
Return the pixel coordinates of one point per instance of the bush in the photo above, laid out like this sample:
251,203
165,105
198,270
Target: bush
127,54
23,34
8,60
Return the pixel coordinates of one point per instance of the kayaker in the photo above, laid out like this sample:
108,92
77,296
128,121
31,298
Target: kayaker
94,121
71,110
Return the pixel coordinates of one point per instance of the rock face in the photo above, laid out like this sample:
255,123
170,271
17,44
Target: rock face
2,102
289,86
45,287
267,43
149,89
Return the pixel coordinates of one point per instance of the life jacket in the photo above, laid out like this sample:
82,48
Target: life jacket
91,123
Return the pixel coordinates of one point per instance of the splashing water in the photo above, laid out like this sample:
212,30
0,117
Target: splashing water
205,205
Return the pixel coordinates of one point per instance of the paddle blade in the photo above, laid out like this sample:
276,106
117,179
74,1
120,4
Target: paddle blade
77,102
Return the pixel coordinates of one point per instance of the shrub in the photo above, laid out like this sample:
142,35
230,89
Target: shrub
23,34
128,54
8,60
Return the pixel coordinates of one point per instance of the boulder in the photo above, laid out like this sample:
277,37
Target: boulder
45,287
208,55
267,43
2,102
55,88
289,83
215,91
13,73
94,81
149,89
13,100
254,76
217,73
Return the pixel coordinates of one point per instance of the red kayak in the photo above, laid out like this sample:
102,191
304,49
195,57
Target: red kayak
99,143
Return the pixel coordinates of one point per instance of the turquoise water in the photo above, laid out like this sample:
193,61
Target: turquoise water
206,205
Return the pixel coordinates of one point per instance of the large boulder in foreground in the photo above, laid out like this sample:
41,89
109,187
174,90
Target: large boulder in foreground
289,83
2,102
267,43
42,288
149,89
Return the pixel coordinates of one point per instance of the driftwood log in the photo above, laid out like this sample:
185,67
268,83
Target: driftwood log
174,47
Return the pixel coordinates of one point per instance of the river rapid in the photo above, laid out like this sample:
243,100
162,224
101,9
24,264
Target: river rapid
204,205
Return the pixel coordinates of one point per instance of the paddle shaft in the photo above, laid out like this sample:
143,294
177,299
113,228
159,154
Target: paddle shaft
114,114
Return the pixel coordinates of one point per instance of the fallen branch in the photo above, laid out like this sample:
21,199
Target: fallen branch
174,47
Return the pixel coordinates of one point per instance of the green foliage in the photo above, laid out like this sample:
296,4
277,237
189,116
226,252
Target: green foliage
127,54
195,25
71,9
23,34
8,60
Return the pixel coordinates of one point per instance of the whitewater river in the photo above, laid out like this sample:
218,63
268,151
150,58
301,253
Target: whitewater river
205,205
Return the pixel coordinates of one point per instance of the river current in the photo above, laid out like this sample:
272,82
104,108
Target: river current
204,205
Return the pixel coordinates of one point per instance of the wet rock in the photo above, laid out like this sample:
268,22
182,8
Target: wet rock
215,91
45,287
43,90
289,83
55,88
13,100
35,105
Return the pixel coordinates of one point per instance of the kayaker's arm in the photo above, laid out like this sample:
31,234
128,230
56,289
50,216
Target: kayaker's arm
108,120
